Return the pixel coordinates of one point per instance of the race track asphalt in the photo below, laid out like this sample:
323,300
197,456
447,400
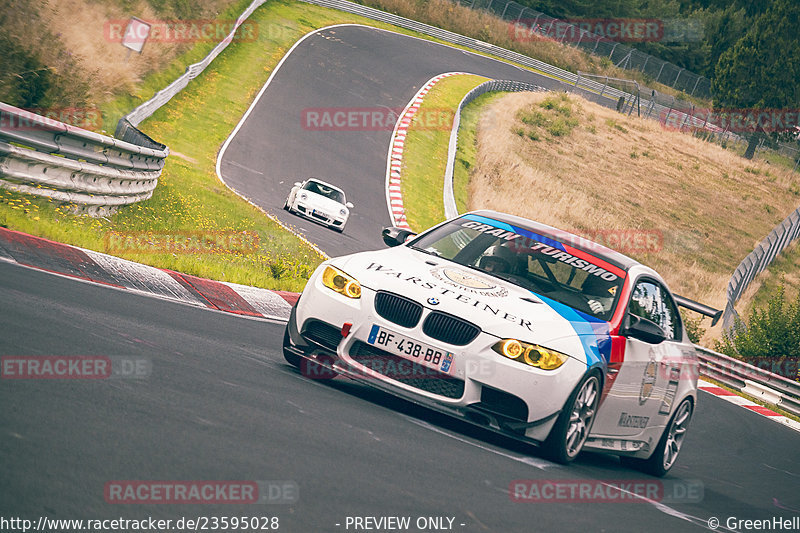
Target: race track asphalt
221,404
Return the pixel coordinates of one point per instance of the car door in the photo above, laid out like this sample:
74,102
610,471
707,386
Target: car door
636,399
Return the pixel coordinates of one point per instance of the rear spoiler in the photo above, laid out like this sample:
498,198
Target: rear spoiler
700,308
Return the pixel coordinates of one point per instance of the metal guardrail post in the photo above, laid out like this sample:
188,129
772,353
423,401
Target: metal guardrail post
674,83
695,86
503,14
663,64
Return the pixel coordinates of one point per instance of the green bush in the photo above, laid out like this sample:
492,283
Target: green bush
772,333
693,328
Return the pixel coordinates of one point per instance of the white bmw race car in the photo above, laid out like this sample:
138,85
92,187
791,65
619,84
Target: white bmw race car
319,201
512,325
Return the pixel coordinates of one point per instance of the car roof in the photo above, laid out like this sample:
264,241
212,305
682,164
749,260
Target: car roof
576,241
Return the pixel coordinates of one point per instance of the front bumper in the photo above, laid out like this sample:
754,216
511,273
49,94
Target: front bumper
325,219
481,387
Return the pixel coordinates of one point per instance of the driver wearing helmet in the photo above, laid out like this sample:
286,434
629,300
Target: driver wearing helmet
497,259
599,294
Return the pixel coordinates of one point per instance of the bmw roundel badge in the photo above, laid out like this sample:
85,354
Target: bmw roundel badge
433,301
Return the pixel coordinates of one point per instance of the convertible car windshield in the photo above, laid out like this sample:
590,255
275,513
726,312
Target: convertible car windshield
536,262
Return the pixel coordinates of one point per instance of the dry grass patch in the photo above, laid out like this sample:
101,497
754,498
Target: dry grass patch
568,162
90,32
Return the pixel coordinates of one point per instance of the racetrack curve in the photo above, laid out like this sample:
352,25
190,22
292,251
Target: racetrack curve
221,403
351,67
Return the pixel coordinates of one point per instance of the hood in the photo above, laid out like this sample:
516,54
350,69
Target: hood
498,307
323,203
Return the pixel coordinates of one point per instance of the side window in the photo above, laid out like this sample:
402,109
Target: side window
674,331
649,300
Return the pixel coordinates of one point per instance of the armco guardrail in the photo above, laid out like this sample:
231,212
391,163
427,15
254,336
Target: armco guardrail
71,165
750,379
756,261
450,209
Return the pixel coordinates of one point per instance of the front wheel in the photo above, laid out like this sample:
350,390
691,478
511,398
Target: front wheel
666,453
572,428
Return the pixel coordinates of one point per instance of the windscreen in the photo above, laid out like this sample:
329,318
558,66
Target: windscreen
525,258
324,190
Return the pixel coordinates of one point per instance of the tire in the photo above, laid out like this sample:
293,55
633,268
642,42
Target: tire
666,453
291,357
573,425
286,205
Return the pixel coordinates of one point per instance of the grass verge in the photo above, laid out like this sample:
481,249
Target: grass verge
425,154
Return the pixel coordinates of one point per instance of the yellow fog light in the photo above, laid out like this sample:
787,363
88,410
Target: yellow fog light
335,279
532,354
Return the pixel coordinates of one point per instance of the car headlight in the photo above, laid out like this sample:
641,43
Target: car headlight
530,354
335,279
343,212
303,196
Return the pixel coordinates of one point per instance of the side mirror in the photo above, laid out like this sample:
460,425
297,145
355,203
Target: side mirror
394,236
643,329
349,205
298,184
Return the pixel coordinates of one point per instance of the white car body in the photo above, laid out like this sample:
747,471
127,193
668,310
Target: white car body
319,201
409,297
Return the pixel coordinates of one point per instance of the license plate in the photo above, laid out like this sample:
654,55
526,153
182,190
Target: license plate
319,213
410,349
